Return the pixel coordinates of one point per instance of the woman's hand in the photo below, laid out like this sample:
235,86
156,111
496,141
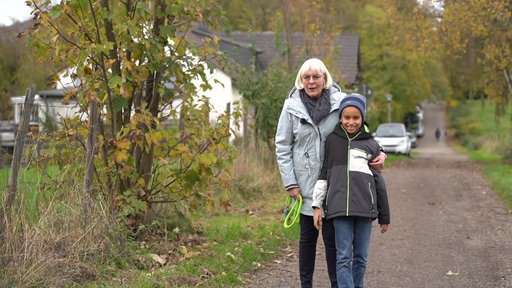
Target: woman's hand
378,162
317,218
294,193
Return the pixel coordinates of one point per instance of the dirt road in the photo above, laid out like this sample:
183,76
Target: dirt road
448,229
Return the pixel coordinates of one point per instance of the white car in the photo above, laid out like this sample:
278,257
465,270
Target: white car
393,138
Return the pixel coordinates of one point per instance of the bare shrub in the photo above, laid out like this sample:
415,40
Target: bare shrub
255,171
59,248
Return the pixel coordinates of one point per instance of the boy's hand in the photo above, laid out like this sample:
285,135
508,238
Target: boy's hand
384,228
317,218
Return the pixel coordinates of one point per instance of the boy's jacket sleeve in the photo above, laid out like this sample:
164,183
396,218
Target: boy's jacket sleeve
319,193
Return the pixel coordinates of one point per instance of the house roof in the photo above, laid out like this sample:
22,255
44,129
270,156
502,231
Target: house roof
344,50
52,93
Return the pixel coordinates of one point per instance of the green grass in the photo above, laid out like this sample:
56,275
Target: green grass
29,192
218,251
227,246
488,142
499,176
495,172
393,158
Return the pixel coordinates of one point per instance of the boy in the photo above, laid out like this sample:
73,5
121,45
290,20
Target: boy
351,193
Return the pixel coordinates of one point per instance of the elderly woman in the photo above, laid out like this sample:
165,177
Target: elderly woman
309,115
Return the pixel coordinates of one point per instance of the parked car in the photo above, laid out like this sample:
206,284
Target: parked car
393,138
419,129
414,123
413,138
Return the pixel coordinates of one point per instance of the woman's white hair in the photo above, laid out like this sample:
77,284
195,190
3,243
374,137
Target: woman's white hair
316,65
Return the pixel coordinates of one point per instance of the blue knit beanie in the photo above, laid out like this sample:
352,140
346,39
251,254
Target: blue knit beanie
356,100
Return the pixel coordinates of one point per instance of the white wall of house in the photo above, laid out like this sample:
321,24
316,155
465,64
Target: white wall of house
219,96
66,80
45,107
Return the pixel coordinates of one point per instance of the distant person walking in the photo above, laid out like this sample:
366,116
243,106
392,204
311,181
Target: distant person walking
438,134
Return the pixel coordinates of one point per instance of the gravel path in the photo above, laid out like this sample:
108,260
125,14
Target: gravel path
447,229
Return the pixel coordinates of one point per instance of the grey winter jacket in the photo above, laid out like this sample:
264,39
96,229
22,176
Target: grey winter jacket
300,144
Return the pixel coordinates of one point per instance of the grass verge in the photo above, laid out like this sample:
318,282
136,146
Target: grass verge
50,244
484,138
495,172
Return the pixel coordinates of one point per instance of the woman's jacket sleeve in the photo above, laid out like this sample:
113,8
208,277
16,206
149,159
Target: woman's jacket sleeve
284,149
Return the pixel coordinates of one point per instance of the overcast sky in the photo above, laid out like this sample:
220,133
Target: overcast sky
13,9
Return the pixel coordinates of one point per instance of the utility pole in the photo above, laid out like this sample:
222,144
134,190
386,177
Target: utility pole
389,97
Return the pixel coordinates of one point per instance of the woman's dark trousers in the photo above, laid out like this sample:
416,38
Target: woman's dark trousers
307,250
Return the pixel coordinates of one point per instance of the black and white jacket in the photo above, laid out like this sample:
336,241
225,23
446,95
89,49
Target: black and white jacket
347,186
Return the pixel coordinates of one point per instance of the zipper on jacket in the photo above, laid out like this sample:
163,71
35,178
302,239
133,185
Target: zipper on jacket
307,163
370,191
348,178
348,168
372,211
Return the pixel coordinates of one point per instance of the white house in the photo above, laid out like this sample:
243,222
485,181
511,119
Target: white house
48,108
222,97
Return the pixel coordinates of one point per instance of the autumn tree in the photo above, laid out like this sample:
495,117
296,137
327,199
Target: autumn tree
479,32
398,56
398,45
18,69
135,60
266,90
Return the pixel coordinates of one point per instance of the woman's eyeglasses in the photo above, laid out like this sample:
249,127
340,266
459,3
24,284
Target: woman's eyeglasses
315,78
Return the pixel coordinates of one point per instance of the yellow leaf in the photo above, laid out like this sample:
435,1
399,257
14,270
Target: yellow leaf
158,137
182,148
110,62
183,250
68,9
204,246
121,156
191,254
127,64
161,260
123,144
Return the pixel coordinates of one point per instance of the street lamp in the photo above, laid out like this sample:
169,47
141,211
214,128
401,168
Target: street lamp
389,97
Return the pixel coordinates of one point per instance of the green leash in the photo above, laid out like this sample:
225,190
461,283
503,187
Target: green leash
292,211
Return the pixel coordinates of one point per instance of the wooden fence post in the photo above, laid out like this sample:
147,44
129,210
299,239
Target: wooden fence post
19,144
89,157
